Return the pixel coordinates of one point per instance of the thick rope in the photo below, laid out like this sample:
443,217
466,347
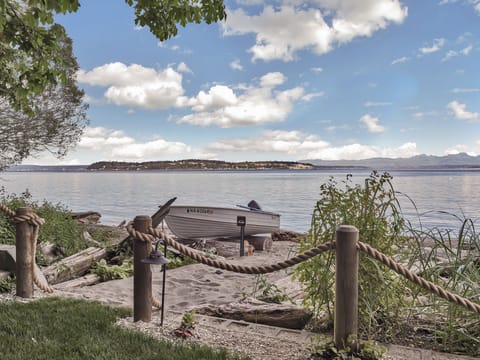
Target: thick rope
7,210
447,295
153,234
36,221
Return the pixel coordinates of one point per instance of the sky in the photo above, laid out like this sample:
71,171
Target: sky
280,80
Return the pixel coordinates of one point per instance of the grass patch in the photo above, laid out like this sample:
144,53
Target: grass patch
55,328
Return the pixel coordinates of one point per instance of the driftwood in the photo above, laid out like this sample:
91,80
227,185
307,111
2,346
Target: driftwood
282,315
86,280
286,235
73,266
260,242
86,217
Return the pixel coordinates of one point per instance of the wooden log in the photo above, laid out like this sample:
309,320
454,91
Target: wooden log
282,315
86,280
286,235
260,242
74,266
86,217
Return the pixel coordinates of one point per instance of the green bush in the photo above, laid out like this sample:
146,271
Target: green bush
375,211
59,227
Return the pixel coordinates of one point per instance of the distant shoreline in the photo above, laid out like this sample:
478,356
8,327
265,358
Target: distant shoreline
457,162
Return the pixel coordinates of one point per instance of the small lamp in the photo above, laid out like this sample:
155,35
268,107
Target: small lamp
157,262
156,259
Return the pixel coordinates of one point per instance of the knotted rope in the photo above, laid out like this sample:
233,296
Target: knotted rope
428,285
157,234
36,221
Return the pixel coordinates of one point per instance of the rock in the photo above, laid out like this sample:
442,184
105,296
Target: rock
8,254
8,258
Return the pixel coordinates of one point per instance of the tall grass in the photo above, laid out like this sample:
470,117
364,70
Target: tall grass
449,258
391,308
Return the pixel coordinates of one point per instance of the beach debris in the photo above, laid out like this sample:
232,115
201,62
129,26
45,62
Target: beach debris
74,266
255,311
86,217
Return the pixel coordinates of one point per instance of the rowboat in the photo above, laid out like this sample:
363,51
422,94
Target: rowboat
200,222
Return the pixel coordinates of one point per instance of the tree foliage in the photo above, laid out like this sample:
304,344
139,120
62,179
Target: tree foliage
56,123
30,53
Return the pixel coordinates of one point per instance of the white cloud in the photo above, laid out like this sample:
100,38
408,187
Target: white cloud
307,146
371,123
465,90
316,70
281,32
311,96
251,105
235,65
460,112
109,144
377,103
289,142
437,44
400,60
182,67
453,53
150,150
361,151
137,86
98,138
457,149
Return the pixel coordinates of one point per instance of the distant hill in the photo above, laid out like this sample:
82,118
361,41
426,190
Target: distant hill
462,160
194,164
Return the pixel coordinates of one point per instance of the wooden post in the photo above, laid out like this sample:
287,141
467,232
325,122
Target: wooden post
142,276
24,255
346,286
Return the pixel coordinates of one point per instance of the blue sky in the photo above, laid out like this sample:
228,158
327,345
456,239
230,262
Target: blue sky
280,80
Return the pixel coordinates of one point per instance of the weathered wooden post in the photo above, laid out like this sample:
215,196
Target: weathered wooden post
346,286
142,276
24,255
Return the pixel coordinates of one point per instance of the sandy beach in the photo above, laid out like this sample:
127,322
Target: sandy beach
197,284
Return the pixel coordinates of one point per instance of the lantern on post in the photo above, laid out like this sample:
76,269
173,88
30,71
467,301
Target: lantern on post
157,262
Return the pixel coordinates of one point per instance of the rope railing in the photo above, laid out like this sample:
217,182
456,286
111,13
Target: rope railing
228,266
35,221
370,251
427,285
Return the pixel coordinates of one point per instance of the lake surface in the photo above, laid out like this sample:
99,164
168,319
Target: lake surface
123,195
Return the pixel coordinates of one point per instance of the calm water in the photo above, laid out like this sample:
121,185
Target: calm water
123,195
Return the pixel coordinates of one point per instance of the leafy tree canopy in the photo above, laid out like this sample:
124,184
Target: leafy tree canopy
30,54
54,126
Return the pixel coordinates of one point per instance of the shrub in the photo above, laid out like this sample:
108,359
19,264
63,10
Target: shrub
59,227
375,211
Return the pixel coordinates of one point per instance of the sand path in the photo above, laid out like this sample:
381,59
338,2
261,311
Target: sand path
196,284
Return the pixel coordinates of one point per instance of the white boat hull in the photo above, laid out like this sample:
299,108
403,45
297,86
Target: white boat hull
194,222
